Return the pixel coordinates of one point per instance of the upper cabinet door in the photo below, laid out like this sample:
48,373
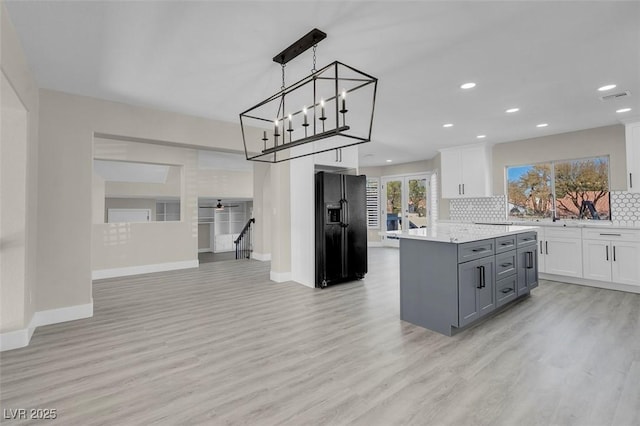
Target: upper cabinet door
475,172
633,156
466,171
451,173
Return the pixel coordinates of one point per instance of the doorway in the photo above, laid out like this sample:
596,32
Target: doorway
405,204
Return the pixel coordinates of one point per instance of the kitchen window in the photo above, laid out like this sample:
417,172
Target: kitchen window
572,189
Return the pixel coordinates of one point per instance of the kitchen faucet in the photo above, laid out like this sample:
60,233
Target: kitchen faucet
553,208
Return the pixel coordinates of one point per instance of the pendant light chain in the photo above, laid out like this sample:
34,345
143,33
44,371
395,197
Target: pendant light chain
313,70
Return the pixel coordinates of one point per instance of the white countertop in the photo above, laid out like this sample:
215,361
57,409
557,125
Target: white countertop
460,232
566,223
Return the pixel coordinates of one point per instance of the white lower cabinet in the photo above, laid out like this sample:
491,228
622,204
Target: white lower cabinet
592,253
560,251
612,256
625,267
597,263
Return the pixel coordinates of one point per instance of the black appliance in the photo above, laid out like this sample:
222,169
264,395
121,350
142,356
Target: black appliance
341,228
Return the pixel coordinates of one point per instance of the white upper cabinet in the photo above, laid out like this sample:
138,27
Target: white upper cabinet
346,158
633,156
466,171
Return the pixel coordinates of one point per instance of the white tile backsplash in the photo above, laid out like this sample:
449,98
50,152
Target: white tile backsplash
625,208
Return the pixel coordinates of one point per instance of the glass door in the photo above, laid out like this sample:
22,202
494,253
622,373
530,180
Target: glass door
416,205
406,204
394,203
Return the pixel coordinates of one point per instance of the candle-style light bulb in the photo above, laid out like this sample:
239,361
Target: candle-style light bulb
290,122
322,117
275,129
344,102
305,123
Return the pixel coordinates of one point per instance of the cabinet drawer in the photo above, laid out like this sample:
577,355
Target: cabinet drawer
475,250
505,264
505,243
506,290
527,238
611,234
562,232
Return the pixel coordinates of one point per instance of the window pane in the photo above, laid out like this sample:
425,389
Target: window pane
394,205
417,203
529,191
582,189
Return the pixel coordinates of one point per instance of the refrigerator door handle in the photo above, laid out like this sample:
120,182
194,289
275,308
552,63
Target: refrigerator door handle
345,213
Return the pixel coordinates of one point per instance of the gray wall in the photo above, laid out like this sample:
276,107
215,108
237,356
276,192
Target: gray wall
595,142
18,183
67,126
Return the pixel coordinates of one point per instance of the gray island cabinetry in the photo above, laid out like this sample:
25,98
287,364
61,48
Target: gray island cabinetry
452,275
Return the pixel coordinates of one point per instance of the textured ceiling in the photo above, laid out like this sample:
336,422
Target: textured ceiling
213,59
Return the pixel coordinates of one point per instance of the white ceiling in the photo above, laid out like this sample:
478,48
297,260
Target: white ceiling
213,59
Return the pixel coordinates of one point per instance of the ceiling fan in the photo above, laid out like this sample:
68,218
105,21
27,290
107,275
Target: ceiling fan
219,206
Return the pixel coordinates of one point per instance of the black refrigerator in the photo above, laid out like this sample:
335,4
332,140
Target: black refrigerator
341,228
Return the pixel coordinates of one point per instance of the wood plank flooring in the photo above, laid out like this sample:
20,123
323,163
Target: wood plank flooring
224,345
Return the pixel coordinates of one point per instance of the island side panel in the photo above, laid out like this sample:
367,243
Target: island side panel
429,284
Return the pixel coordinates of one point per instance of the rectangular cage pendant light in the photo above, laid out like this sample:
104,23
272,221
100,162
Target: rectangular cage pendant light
332,108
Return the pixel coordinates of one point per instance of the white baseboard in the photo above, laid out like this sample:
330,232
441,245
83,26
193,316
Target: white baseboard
591,283
15,339
205,250
374,244
264,257
280,277
143,269
68,313
21,338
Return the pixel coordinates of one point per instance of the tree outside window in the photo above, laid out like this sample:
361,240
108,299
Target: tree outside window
578,189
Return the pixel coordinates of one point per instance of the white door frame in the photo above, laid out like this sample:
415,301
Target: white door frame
404,178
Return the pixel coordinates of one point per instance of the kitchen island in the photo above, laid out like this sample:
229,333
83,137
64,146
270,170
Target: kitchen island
452,275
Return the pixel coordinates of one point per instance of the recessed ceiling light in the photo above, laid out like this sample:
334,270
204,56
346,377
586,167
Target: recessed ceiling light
542,125
447,125
607,87
468,85
510,110
623,110
388,161
481,136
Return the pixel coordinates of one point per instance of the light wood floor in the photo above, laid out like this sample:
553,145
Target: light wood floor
224,345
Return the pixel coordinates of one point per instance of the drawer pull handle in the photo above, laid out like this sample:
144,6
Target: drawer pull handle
506,244
480,250
529,263
612,235
506,290
504,265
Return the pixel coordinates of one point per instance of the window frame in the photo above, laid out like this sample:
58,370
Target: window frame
552,174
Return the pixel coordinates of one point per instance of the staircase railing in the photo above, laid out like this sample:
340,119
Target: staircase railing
244,242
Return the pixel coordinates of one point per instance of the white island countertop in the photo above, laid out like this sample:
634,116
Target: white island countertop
460,232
